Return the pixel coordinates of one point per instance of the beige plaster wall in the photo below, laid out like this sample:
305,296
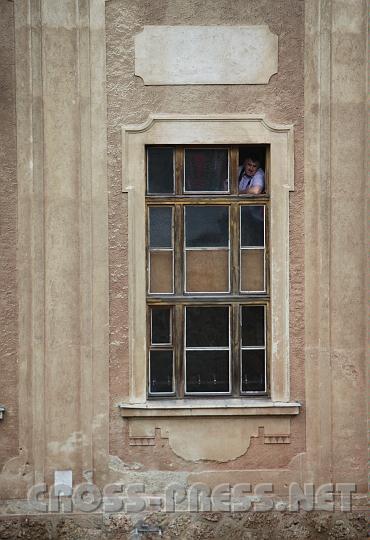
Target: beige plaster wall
129,101
8,239
335,215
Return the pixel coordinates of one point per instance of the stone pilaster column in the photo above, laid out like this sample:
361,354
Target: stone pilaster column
335,254
63,244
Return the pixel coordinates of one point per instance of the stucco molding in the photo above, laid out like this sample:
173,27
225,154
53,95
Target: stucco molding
153,119
200,440
209,407
237,117
213,129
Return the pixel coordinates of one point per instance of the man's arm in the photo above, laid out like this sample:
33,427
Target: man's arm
253,190
257,184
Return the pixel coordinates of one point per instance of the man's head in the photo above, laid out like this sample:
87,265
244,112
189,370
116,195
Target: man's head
250,165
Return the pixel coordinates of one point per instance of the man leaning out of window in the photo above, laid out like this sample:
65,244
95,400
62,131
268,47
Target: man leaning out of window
251,177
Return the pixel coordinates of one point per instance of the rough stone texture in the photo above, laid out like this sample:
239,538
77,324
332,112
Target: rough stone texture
8,239
216,526
129,101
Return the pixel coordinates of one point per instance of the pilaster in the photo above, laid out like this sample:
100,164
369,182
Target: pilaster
62,236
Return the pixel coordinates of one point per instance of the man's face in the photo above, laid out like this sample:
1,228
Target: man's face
250,167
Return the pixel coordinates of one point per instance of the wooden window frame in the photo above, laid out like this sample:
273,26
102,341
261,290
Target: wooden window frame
180,299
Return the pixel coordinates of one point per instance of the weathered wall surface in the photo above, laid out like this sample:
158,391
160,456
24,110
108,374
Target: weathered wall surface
328,440
129,101
8,239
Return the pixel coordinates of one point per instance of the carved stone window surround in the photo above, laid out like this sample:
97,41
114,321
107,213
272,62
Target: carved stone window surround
213,129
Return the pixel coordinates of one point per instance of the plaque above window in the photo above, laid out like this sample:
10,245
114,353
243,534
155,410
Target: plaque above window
206,55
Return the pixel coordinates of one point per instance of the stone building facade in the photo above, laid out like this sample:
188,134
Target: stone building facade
86,86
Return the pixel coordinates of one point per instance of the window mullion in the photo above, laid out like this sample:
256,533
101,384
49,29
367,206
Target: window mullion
179,250
267,249
234,162
234,248
179,171
178,331
267,170
179,291
235,349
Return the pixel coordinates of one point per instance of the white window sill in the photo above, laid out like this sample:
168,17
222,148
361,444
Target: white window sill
2,410
209,407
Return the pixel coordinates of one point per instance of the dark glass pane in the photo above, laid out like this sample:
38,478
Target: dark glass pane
207,371
160,227
161,369
253,370
206,169
253,326
160,170
161,325
207,326
252,226
207,226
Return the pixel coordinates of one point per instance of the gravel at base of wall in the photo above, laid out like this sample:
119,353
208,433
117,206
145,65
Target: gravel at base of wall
184,526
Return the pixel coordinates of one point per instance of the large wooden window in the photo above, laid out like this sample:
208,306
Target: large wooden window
208,298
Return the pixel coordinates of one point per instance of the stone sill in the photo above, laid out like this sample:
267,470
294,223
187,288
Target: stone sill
210,407
2,410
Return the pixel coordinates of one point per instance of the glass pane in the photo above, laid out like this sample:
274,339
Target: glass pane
207,226
253,370
207,371
253,326
160,227
252,269
161,370
252,226
207,326
161,325
160,170
207,271
206,169
161,280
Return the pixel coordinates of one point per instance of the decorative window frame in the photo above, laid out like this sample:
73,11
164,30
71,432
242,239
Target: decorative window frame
213,129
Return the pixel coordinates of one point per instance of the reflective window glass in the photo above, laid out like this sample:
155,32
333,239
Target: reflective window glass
160,227
252,226
253,370
253,326
206,169
161,325
161,371
207,226
160,170
207,371
207,326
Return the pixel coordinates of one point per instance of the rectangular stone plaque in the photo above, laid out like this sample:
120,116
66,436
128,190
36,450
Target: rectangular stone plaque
169,55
